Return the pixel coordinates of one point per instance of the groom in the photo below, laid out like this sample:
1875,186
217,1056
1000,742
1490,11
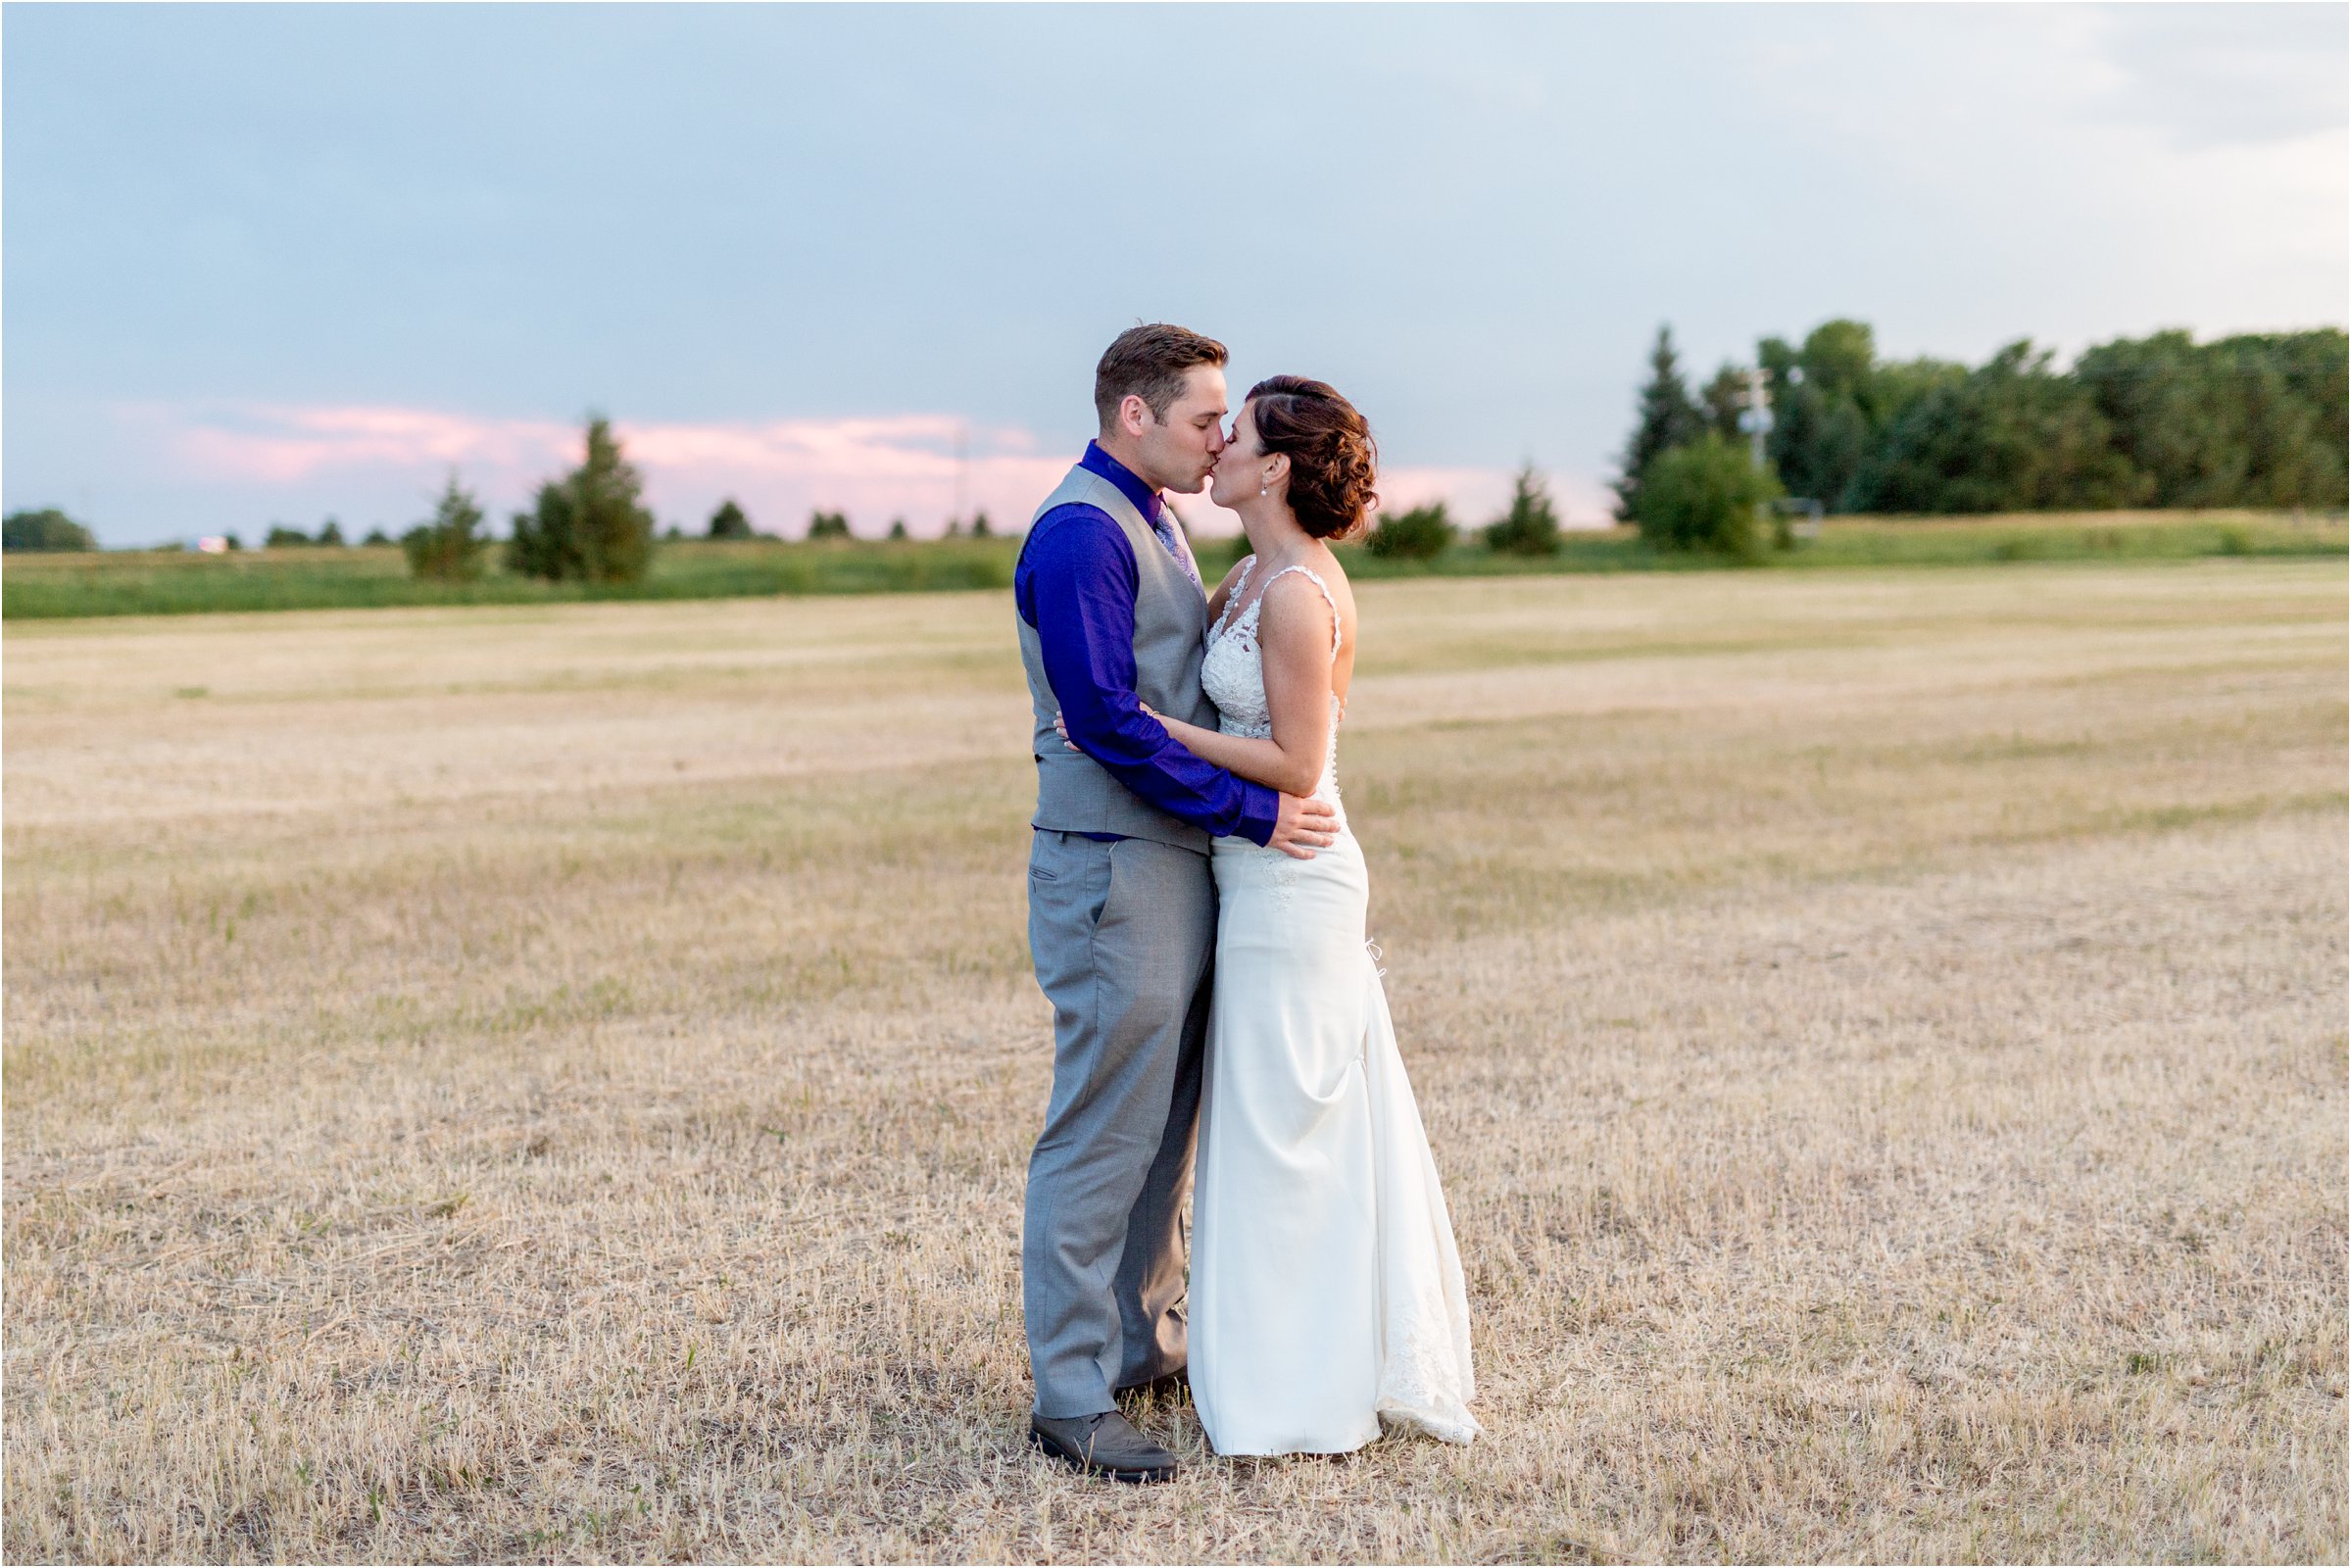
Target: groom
1122,910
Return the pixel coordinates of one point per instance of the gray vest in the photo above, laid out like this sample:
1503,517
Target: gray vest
1074,794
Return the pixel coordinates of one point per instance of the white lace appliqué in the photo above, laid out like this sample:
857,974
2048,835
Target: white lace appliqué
1232,674
1233,669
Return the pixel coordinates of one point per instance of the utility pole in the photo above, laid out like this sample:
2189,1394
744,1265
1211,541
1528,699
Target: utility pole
962,469
1756,418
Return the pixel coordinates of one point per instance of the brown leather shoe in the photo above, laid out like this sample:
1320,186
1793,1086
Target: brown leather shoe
1105,1444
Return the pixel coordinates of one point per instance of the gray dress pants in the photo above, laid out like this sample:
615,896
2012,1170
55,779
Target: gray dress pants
1124,938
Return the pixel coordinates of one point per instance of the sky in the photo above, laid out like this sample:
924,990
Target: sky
269,264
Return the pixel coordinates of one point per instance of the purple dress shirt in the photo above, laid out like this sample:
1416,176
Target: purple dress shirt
1076,584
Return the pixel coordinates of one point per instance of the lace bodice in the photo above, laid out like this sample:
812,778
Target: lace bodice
1233,670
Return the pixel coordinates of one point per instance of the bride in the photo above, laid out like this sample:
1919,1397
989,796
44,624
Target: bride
1326,1293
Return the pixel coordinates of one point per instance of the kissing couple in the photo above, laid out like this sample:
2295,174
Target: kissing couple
1196,913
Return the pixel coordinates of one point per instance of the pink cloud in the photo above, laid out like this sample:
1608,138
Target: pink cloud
922,467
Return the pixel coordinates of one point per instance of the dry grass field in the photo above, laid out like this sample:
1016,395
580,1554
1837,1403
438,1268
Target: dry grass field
552,1082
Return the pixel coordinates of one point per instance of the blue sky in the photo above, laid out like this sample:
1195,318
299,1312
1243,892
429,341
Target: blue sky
274,262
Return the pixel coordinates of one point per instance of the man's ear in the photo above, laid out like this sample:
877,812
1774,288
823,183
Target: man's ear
1134,413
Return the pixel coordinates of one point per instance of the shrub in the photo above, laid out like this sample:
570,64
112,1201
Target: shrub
828,525
450,548
588,525
1706,495
1420,535
1530,527
45,529
730,521
377,536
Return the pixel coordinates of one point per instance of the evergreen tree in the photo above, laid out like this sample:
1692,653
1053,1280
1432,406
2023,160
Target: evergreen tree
1667,419
898,527
588,526
331,534
979,525
1530,527
450,548
730,521
828,525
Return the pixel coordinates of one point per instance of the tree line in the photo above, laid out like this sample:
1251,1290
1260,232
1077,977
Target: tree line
590,525
2254,420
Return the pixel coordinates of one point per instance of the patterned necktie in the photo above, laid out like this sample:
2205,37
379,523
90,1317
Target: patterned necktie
1164,527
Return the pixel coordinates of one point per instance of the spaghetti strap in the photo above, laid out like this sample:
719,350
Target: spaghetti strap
1248,563
1314,577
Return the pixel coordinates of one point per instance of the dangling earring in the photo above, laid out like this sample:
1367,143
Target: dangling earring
1261,489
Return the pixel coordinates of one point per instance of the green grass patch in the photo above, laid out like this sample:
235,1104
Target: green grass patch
176,582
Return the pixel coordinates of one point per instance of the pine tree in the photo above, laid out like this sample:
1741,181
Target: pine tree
588,525
1668,420
449,547
1530,527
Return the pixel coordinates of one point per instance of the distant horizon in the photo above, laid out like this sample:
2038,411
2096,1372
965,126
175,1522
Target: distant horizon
268,265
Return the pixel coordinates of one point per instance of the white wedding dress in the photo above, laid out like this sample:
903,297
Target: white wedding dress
1326,1291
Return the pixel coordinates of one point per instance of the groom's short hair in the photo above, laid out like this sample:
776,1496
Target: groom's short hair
1149,362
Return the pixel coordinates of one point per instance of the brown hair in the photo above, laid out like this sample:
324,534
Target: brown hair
1333,460
1148,363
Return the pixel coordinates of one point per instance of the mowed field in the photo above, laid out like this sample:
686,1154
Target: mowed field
554,1082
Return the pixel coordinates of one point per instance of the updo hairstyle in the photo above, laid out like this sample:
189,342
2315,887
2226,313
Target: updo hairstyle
1332,458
